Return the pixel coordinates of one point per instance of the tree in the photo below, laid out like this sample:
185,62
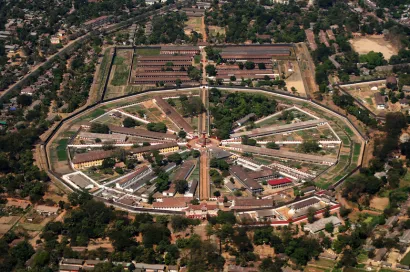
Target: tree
210,70
99,128
232,78
157,127
181,186
272,145
179,223
348,259
249,65
182,134
326,213
261,66
310,146
268,265
311,215
194,73
107,267
195,153
129,122
108,163
175,157
373,59
178,82
329,227
217,194
22,251
41,259
24,100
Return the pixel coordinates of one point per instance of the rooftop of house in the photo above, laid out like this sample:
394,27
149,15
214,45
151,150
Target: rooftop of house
92,156
279,181
321,223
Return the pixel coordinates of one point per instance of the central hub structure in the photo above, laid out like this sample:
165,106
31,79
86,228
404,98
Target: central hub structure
203,141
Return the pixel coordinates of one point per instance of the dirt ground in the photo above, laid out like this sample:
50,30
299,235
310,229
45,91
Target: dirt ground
379,203
105,244
55,194
307,69
393,256
264,251
364,45
295,80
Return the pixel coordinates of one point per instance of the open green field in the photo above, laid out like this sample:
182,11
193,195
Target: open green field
148,51
61,150
197,59
120,75
406,259
121,67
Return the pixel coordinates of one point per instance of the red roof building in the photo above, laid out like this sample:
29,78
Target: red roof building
279,183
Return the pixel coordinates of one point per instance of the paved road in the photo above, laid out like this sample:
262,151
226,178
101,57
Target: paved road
204,185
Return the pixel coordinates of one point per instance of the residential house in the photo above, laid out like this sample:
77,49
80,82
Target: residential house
47,210
380,103
280,183
320,224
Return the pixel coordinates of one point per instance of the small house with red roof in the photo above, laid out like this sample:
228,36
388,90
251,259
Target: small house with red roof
279,183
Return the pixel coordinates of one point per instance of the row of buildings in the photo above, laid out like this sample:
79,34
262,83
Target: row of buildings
262,56
166,68
96,158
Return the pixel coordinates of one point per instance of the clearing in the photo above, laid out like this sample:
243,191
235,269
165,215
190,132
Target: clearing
364,45
379,203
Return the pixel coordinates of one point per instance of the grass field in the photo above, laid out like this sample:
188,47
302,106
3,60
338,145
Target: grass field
120,75
197,59
148,51
193,23
94,114
405,181
121,68
61,150
406,259
119,60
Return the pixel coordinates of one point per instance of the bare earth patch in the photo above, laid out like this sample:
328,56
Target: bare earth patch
364,45
379,203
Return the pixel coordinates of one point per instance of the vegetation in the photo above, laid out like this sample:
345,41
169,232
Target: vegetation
157,127
234,107
130,122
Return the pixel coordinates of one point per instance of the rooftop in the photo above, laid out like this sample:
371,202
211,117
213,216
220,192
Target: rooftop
287,154
321,223
185,169
280,181
242,175
173,115
142,133
150,148
92,156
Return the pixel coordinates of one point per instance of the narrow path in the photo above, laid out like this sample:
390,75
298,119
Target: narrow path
203,28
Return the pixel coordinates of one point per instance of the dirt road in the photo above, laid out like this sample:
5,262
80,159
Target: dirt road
203,29
308,70
204,185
